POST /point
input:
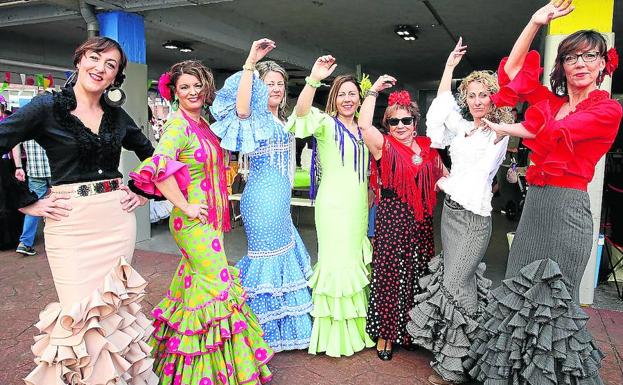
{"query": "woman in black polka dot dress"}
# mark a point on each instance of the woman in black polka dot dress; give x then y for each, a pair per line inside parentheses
(404, 175)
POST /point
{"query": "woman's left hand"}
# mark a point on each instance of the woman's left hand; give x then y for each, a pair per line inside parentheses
(499, 128)
(132, 200)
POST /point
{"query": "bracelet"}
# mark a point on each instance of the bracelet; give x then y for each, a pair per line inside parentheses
(246, 67)
(372, 93)
(312, 83)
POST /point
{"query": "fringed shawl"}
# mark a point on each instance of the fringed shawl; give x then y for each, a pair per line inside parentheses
(413, 183)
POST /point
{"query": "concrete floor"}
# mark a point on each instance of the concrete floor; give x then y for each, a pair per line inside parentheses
(26, 288)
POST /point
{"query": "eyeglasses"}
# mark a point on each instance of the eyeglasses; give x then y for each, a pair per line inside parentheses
(395, 121)
(587, 57)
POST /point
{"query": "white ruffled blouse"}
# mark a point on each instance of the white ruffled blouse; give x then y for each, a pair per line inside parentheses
(475, 156)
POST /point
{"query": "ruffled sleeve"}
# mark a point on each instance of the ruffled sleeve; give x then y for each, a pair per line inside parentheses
(444, 120)
(314, 123)
(526, 85)
(165, 161)
(239, 134)
(596, 120)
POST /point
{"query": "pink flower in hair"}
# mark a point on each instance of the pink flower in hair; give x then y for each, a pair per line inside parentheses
(402, 98)
(164, 86)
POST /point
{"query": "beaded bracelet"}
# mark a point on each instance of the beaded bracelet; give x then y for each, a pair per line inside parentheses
(372, 93)
(312, 83)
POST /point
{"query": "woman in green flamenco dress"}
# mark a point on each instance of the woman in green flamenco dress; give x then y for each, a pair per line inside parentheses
(205, 333)
(340, 279)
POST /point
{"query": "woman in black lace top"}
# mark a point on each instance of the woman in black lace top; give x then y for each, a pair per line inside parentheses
(95, 333)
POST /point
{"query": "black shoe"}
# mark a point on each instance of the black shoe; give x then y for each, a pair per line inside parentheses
(26, 250)
(385, 355)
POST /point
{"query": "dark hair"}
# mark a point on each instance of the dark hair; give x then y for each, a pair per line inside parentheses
(331, 107)
(198, 70)
(100, 44)
(570, 45)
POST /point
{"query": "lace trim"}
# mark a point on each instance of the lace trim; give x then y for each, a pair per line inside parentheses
(276, 291)
(282, 345)
(286, 311)
(271, 253)
(281, 149)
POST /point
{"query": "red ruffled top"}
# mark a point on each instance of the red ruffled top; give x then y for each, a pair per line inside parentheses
(565, 151)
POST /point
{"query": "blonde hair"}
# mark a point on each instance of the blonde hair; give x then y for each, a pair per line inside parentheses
(270, 66)
(490, 81)
(331, 107)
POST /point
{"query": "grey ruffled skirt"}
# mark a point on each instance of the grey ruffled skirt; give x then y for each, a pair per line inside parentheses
(444, 319)
(533, 330)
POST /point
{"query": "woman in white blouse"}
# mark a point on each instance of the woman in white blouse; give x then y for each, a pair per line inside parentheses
(444, 317)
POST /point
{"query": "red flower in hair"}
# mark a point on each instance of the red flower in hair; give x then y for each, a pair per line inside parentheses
(402, 98)
(612, 62)
(163, 86)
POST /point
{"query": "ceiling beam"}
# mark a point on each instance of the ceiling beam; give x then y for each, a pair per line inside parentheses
(148, 5)
(37, 13)
(214, 28)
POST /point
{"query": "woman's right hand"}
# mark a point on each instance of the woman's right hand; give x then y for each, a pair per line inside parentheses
(196, 211)
(323, 67)
(53, 207)
(383, 82)
(552, 10)
(259, 49)
(457, 54)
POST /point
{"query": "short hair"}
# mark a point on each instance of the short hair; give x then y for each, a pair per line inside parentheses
(198, 70)
(100, 44)
(412, 109)
(586, 38)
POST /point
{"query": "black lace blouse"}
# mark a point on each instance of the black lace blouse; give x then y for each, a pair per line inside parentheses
(75, 153)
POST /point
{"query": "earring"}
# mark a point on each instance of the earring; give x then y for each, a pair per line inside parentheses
(175, 104)
(114, 96)
(71, 80)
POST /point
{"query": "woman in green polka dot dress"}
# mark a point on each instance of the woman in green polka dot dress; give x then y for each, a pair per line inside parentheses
(205, 333)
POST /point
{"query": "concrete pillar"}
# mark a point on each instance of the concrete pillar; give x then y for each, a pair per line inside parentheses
(597, 15)
(129, 30)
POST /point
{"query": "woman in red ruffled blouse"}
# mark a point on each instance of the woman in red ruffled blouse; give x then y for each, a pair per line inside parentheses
(533, 331)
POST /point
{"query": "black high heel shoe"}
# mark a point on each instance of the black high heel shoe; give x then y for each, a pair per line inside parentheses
(385, 355)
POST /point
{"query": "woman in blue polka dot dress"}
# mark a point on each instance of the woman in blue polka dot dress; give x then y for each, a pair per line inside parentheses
(250, 115)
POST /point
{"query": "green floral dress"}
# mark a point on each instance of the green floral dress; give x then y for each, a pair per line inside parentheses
(205, 333)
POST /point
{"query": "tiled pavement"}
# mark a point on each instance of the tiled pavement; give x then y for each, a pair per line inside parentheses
(26, 287)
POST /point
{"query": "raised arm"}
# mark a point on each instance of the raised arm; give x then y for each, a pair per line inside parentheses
(453, 60)
(323, 67)
(371, 135)
(259, 49)
(553, 10)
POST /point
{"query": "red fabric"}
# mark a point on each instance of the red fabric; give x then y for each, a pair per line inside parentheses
(414, 184)
(209, 142)
(565, 151)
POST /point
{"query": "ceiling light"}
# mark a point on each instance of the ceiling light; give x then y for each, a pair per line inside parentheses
(170, 45)
(186, 49)
(406, 32)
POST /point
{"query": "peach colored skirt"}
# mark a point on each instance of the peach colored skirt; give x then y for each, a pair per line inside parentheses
(96, 333)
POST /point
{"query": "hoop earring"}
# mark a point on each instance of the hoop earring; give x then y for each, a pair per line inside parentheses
(114, 96)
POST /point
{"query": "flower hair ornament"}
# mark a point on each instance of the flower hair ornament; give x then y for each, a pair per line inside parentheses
(401, 98)
(612, 61)
(164, 86)
(364, 84)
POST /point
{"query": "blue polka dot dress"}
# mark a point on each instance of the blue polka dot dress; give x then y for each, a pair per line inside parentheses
(276, 269)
